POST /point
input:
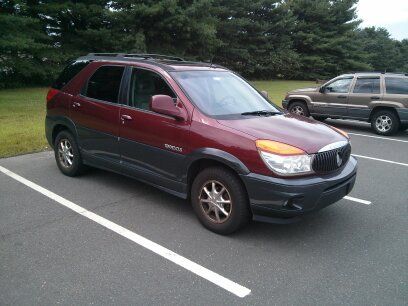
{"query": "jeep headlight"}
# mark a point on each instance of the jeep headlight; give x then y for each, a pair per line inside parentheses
(284, 159)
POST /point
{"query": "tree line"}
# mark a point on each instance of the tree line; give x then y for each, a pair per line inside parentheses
(261, 39)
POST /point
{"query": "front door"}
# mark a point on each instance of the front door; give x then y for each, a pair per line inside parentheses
(333, 100)
(365, 90)
(152, 146)
(95, 113)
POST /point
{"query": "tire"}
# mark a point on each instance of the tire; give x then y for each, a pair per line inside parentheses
(235, 194)
(320, 118)
(385, 122)
(67, 154)
(299, 108)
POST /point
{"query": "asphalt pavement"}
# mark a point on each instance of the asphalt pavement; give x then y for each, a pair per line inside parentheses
(348, 253)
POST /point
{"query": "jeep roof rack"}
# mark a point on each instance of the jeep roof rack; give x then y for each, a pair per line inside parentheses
(139, 56)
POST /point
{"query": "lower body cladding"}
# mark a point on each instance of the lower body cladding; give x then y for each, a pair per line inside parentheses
(279, 200)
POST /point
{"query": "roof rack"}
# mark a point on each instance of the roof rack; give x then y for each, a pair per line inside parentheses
(149, 56)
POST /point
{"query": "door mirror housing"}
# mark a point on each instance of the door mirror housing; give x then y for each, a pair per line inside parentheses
(165, 105)
(322, 89)
(265, 93)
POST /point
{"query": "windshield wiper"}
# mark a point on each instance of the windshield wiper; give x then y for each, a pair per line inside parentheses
(261, 113)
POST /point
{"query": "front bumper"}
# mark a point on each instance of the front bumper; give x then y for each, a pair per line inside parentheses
(273, 198)
(285, 104)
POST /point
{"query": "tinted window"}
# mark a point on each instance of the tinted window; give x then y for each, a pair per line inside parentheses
(68, 73)
(143, 85)
(104, 84)
(396, 86)
(340, 86)
(367, 85)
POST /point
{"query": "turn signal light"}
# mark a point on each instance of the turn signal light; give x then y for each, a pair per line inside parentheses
(276, 147)
(341, 132)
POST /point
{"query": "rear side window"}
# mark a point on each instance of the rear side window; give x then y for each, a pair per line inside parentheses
(367, 85)
(143, 85)
(397, 86)
(68, 73)
(104, 84)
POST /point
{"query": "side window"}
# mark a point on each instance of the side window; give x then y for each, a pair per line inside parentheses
(69, 73)
(104, 84)
(367, 85)
(143, 85)
(397, 86)
(339, 86)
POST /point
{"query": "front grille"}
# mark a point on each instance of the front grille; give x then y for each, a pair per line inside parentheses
(328, 161)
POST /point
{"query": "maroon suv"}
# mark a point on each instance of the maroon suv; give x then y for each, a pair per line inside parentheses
(197, 131)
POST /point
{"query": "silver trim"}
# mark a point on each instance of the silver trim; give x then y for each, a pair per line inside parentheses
(334, 145)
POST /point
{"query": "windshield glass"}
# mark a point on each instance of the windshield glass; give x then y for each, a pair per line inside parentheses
(221, 93)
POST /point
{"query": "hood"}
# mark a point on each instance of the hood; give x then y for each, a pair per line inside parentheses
(304, 90)
(303, 133)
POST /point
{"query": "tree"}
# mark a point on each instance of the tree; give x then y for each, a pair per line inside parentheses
(255, 38)
(325, 38)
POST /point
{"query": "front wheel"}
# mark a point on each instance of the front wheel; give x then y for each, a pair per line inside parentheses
(385, 122)
(299, 108)
(219, 200)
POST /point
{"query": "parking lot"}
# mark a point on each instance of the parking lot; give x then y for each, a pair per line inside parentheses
(102, 238)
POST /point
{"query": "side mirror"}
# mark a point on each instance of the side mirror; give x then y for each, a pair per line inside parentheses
(165, 105)
(322, 89)
(265, 93)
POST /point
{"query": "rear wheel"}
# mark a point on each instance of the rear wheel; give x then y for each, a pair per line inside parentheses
(299, 108)
(67, 154)
(385, 122)
(219, 200)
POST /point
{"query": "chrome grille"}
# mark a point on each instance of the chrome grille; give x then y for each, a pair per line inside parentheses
(331, 160)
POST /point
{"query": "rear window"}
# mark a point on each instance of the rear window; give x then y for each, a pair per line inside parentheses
(397, 86)
(69, 73)
(104, 84)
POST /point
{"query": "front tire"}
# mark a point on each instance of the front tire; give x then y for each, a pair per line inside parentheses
(67, 154)
(299, 108)
(219, 200)
(385, 122)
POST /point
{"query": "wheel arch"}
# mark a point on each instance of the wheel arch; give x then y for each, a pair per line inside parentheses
(378, 108)
(59, 124)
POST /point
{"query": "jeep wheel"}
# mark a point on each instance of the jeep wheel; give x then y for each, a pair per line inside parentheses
(385, 122)
(299, 108)
(220, 200)
(67, 154)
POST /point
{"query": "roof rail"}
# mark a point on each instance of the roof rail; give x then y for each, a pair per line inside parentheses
(140, 56)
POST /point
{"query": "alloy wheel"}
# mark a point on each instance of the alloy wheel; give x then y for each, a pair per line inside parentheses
(65, 153)
(298, 110)
(215, 201)
(383, 123)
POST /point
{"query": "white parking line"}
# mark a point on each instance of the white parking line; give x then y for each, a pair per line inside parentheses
(378, 137)
(187, 264)
(357, 200)
(382, 160)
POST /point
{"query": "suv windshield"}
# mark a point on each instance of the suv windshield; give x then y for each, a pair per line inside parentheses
(222, 93)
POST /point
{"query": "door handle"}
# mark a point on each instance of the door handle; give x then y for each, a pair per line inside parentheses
(342, 97)
(76, 104)
(125, 117)
(375, 98)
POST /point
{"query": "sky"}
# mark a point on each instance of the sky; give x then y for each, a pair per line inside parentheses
(389, 14)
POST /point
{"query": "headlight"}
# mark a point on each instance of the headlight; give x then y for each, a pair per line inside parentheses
(284, 159)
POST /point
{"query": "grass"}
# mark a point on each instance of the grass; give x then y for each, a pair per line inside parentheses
(22, 113)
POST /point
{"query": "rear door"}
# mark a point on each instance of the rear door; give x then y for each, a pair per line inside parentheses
(333, 101)
(95, 112)
(152, 146)
(365, 90)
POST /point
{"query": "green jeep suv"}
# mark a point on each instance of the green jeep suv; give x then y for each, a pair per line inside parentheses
(379, 98)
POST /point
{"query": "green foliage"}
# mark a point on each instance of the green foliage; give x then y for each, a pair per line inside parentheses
(261, 39)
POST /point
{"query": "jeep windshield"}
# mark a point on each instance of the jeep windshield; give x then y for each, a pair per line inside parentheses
(222, 93)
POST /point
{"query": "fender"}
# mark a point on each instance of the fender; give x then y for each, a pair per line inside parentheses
(52, 121)
(216, 155)
(391, 104)
(305, 98)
